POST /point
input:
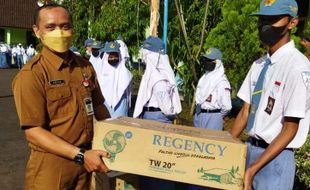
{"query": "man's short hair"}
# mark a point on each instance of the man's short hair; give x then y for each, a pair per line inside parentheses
(49, 6)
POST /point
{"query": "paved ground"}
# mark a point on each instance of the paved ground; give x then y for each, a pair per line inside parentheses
(14, 150)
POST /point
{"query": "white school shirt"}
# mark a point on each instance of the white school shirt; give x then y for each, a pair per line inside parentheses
(3, 48)
(157, 84)
(286, 93)
(219, 98)
(161, 97)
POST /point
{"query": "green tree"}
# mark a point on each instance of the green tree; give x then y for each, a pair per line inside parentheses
(187, 32)
(237, 37)
(302, 156)
(122, 17)
(83, 14)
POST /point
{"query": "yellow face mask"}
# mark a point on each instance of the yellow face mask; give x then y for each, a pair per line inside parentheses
(58, 40)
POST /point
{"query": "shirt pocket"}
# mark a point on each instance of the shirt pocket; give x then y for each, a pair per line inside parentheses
(60, 101)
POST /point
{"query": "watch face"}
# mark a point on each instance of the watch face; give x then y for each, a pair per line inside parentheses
(79, 159)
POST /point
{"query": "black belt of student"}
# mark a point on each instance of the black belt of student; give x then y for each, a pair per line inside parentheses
(261, 143)
(151, 109)
(86, 146)
(210, 111)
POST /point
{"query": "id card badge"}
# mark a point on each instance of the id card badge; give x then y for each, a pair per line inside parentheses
(89, 106)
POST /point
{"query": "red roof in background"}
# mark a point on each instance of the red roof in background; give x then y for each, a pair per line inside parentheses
(17, 13)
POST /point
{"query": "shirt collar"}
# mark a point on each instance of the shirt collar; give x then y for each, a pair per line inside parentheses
(276, 56)
(55, 60)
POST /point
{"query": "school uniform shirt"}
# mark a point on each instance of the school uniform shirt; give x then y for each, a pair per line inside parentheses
(161, 97)
(49, 93)
(158, 85)
(213, 90)
(115, 84)
(3, 48)
(286, 93)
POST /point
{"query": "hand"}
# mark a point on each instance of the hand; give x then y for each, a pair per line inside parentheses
(93, 161)
(248, 179)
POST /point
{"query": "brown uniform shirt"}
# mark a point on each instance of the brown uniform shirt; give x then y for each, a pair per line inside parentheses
(49, 93)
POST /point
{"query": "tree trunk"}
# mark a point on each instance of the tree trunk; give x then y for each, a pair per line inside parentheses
(154, 17)
(203, 29)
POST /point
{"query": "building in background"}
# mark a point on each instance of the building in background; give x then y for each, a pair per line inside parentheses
(16, 20)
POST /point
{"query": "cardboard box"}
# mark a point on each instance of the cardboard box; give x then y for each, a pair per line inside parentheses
(114, 181)
(179, 153)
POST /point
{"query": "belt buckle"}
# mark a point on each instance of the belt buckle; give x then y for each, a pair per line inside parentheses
(256, 142)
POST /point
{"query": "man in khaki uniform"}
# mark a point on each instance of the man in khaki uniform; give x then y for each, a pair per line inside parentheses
(56, 95)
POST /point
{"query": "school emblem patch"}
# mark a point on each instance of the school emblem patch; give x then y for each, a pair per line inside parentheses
(270, 105)
(269, 2)
(294, 9)
(209, 51)
(112, 46)
(306, 78)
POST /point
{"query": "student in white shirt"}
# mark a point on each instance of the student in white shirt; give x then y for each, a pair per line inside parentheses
(115, 80)
(276, 95)
(212, 98)
(158, 97)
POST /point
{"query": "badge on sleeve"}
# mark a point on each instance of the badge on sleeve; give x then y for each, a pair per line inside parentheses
(88, 102)
(306, 78)
(270, 105)
(209, 99)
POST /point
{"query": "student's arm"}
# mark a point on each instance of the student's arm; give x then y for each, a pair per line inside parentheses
(287, 134)
(241, 121)
(225, 99)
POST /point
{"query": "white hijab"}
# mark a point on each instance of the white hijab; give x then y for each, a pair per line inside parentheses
(209, 81)
(157, 68)
(96, 62)
(113, 81)
(124, 50)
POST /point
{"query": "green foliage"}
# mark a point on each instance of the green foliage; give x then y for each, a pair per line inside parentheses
(105, 20)
(306, 31)
(126, 18)
(193, 12)
(302, 158)
(237, 37)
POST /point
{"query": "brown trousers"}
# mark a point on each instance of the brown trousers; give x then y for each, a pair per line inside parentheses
(47, 171)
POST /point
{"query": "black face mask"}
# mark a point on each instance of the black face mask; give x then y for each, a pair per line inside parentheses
(113, 62)
(209, 66)
(270, 35)
(95, 53)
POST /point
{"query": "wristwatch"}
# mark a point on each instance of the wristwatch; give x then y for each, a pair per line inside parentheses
(79, 158)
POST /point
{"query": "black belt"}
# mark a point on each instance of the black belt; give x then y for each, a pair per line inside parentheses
(151, 109)
(210, 111)
(86, 146)
(261, 143)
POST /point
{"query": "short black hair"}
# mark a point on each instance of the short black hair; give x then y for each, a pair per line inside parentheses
(49, 6)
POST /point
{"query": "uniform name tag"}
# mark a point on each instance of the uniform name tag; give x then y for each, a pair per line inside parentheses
(56, 82)
(88, 102)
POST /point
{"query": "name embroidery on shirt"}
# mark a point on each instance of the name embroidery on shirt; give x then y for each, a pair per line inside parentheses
(57, 82)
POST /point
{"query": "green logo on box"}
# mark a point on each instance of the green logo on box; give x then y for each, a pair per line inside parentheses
(223, 176)
(114, 142)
